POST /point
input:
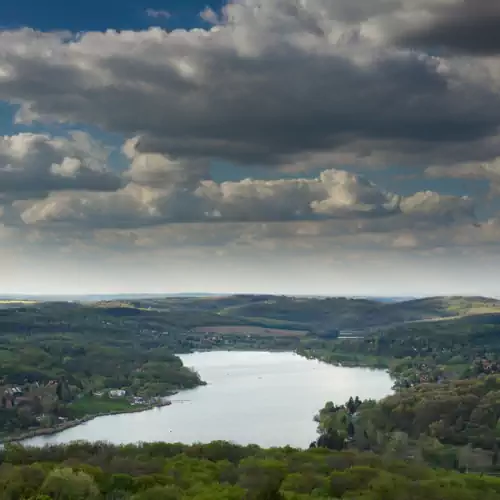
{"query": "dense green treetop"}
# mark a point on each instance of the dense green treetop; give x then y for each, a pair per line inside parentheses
(221, 470)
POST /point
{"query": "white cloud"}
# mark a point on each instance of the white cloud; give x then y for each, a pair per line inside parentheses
(435, 205)
(156, 170)
(334, 194)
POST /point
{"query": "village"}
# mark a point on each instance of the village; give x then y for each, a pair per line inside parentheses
(45, 405)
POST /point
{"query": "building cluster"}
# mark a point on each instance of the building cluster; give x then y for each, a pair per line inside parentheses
(486, 366)
(31, 394)
(122, 393)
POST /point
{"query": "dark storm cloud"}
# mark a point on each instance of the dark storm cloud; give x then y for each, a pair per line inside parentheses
(468, 27)
(266, 88)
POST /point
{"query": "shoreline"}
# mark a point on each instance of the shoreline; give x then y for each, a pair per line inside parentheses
(63, 426)
(56, 429)
(373, 363)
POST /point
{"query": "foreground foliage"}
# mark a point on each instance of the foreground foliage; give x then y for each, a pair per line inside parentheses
(454, 424)
(221, 470)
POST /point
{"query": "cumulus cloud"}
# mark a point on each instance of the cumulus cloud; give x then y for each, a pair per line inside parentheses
(33, 165)
(271, 82)
(157, 170)
(335, 194)
(435, 205)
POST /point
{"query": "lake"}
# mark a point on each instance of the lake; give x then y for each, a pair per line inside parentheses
(264, 398)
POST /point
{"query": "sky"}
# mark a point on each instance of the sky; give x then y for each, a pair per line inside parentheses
(334, 147)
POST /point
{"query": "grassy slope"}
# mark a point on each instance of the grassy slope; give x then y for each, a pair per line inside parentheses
(93, 406)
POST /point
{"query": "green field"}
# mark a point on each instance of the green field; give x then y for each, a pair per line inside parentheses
(90, 405)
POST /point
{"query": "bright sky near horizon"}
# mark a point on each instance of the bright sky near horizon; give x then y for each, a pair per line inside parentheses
(280, 146)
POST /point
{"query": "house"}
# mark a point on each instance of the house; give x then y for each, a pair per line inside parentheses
(13, 391)
(117, 393)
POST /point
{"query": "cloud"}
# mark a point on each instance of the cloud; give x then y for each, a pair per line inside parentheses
(157, 170)
(437, 206)
(32, 165)
(469, 27)
(267, 85)
(209, 15)
(296, 85)
(158, 14)
(334, 194)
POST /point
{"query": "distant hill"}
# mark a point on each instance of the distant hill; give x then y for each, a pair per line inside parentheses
(389, 299)
(283, 312)
(345, 313)
(97, 297)
(313, 314)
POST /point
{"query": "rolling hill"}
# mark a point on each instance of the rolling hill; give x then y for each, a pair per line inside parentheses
(280, 312)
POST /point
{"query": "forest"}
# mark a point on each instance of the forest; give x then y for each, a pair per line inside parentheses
(224, 471)
(453, 425)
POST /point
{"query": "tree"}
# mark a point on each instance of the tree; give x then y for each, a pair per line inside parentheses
(350, 429)
(19, 482)
(216, 491)
(332, 440)
(262, 478)
(398, 444)
(494, 457)
(465, 456)
(159, 493)
(304, 483)
(66, 484)
(351, 406)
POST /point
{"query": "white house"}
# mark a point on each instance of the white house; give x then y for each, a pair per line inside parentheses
(117, 393)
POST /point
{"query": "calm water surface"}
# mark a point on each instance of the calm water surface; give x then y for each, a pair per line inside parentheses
(251, 397)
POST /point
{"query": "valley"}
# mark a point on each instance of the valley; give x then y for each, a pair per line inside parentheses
(406, 384)
(67, 361)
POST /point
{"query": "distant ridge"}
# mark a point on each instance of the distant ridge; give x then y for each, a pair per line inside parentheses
(387, 299)
(136, 296)
(104, 296)
(300, 313)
